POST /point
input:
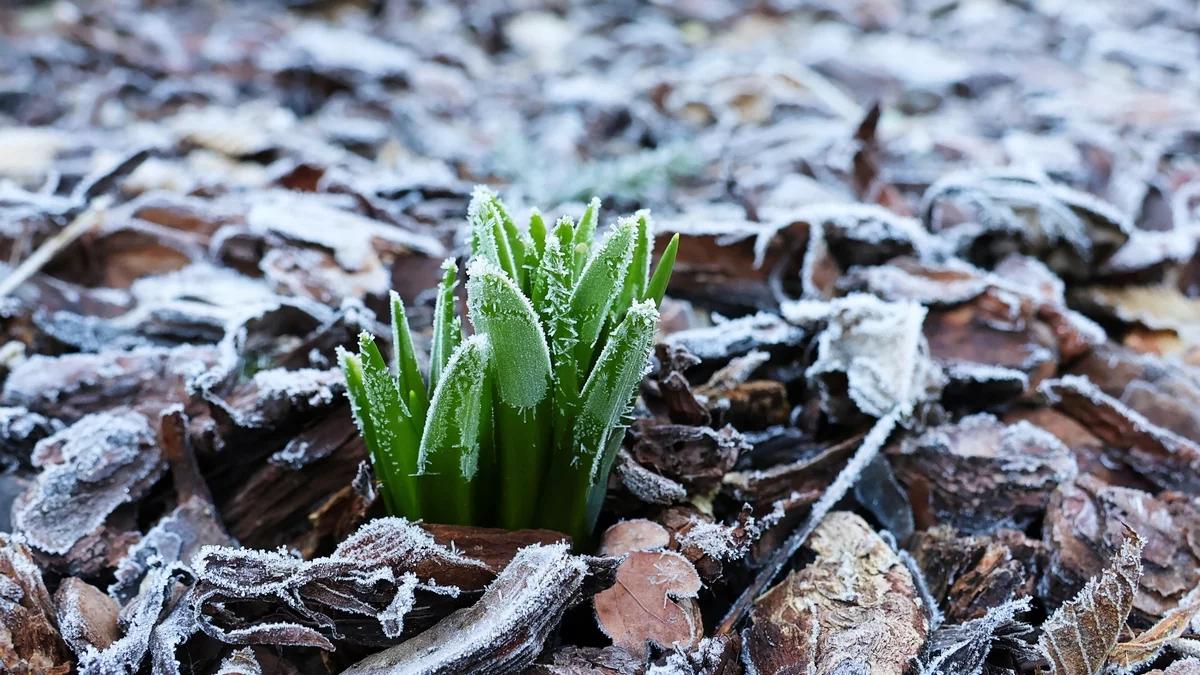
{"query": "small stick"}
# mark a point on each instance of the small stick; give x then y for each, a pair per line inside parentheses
(49, 248)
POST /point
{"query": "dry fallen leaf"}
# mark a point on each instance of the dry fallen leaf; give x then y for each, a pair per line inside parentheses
(1078, 638)
(653, 601)
(1142, 649)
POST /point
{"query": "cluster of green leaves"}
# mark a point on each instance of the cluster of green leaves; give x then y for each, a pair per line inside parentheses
(519, 424)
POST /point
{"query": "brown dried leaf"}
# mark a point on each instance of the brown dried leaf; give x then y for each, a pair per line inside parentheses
(653, 602)
(1142, 649)
(241, 593)
(1078, 638)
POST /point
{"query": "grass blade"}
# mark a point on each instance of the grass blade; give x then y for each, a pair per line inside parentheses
(455, 435)
(522, 375)
(604, 401)
(598, 285)
(408, 375)
(447, 328)
(657, 287)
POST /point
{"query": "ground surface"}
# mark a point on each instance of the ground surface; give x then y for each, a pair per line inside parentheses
(930, 360)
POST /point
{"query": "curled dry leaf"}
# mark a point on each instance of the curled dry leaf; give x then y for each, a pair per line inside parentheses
(1078, 638)
(151, 627)
(501, 633)
(871, 355)
(992, 212)
(175, 538)
(652, 602)
(853, 609)
(385, 581)
(962, 649)
(1148, 644)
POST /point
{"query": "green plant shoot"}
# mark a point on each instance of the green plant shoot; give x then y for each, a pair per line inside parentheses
(518, 425)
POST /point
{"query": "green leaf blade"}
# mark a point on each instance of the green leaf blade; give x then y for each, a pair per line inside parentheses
(498, 308)
(598, 285)
(447, 328)
(606, 398)
(396, 435)
(404, 354)
(456, 434)
(657, 288)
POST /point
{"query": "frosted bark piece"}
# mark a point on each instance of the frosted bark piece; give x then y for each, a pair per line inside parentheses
(853, 609)
(89, 469)
(504, 631)
(1086, 521)
(979, 474)
(29, 641)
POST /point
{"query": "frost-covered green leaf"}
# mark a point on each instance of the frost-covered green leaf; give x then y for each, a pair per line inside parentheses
(447, 329)
(598, 285)
(386, 423)
(408, 376)
(516, 426)
(455, 434)
(634, 285)
(609, 390)
(605, 399)
(584, 233)
(657, 288)
(499, 309)
(490, 233)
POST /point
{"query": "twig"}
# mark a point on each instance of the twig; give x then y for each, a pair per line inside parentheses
(871, 444)
(49, 248)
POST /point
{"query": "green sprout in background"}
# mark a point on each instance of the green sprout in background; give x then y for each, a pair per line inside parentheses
(519, 424)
